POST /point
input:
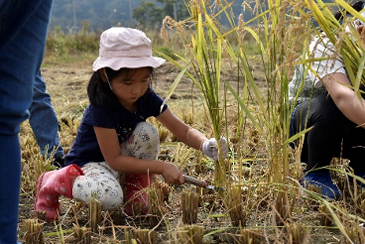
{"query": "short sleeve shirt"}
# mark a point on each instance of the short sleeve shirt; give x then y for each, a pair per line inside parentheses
(326, 61)
(86, 148)
(322, 48)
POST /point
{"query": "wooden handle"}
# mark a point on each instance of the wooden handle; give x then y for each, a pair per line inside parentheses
(194, 181)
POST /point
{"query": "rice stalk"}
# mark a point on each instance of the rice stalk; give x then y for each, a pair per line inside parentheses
(274, 110)
(206, 52)
(209, 42)
(207, 56)
(155, 198)
(275, 113)
(236, 210)
(190, 234)
(94, 214)
(356, 234)
(127, 237)
(281, 207)
(189, 206)
(33, 231)
(250, 236)
(353, 228)
(298, 233)
(145, 236)
(82, 235)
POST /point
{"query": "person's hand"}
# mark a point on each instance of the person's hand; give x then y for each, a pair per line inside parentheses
(172, 174)
(210, 148)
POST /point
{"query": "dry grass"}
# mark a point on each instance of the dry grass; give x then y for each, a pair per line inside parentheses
(258, 202)
(264, 203)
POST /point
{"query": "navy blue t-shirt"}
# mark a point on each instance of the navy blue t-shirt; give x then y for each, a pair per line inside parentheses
(86, 148)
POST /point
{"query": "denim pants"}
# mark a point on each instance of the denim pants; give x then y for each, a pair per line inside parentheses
(43, 120)
(332, 135)
(23, 30)
(103, 182)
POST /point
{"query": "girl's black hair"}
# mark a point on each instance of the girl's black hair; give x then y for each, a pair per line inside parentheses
(358, 6)
(99, 92)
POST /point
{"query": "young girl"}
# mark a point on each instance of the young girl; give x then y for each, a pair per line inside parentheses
(114, 138)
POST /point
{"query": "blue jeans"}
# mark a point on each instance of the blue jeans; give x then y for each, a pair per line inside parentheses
(23, 30)
(43, 120)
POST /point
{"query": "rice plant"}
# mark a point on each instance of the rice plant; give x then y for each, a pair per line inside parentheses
(263, 174)
(189, 207)
(190, 234)
(205, 56)
(82, 234)
(155, 198)
(33, 231)
(145, 236)
(236, 210)
(247, 236)
(209, 42)
(298, 233)
(95, 213)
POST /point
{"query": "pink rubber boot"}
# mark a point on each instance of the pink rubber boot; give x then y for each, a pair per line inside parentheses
(50, 185)
(136, 195)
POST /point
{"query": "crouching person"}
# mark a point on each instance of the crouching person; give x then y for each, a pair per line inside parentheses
(114, 138)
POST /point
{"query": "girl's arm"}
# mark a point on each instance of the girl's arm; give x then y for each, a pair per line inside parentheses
(345, 98)
(191, 137)
(110, 148)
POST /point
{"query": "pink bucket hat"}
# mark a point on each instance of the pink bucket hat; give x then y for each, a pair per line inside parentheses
(125, 48)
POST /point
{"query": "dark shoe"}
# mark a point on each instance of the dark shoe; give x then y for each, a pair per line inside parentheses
(58, 161)
(323, 182)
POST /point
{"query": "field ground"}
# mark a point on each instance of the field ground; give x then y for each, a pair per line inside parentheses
(67, 85)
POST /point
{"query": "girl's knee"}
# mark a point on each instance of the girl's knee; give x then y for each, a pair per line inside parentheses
(111, 200)
(147, 132)
(143, 143)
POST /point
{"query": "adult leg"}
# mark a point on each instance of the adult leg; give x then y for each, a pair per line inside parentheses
(9, 187)
(354, 147)
(43, 120)
(323, 141)
(23, 29)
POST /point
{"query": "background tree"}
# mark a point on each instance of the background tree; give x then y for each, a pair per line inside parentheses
(148, 15)
(100, 14)
(174, 8)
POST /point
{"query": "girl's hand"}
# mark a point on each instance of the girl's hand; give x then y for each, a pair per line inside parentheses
(210, 148)
(172, 174)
